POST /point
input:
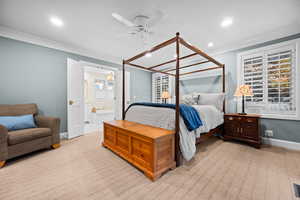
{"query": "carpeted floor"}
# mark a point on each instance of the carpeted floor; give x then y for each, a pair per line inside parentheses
(83, 169)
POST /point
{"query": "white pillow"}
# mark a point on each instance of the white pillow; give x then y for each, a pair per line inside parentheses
(215, 99)
(189, 99)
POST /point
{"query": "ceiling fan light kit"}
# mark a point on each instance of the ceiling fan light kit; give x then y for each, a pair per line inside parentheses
(140, 26)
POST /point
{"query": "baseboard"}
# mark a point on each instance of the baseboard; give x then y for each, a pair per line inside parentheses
(63, 135)
(281, 143)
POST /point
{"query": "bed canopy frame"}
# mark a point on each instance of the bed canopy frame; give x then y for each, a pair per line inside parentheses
(178, 41)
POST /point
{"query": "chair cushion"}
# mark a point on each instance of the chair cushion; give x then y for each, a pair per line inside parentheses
(25, 135)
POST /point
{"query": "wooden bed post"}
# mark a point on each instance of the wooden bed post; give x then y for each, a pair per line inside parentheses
(177, 146)
(123, 91)
(224, 86)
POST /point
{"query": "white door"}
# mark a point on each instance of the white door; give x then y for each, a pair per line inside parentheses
(119, 83)
(75, 99)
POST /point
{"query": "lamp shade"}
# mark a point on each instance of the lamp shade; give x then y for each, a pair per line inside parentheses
(110, 77)
(165, 95)
(243, 90)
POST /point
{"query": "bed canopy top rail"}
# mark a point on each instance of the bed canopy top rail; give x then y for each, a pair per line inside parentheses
(166, 71)
(187, 45)
(201, 70)
(155, 48)
(153, 70)
(177, 40)
(174, 60)
(186, 66)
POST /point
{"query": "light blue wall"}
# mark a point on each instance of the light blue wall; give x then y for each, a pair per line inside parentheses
(283, 129)
(35, 74)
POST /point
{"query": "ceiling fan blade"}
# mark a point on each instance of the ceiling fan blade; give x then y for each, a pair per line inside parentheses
(122, 20)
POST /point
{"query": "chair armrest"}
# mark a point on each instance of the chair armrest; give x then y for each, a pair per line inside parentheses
(52, 123)
(3, 143)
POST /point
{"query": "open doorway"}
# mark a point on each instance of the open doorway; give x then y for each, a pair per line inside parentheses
(94, 96)
(99, 97)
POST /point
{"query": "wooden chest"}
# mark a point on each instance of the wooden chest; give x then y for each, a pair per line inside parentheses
(149, 148)
(243, 127)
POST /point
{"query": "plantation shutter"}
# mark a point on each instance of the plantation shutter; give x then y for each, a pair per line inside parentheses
(160, 83)
(271, 75)
(254, 76)
(281, 81)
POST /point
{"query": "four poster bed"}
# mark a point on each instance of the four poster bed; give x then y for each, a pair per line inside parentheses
(170, 71)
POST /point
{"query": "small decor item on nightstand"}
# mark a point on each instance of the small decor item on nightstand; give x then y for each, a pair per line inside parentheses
(165, 95)
(242, 91)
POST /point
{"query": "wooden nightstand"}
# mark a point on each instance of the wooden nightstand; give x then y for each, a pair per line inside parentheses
(242, 127)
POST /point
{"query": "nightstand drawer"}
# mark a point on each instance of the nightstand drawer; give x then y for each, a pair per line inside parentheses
(250, 120)
(248, 125)
(233, 118)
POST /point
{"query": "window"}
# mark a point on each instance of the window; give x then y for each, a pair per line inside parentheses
(160, 83)
(272, 74)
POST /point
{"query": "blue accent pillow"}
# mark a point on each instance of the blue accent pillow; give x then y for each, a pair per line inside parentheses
(13, 123)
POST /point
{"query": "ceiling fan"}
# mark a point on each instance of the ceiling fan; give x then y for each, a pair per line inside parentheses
(141, 25)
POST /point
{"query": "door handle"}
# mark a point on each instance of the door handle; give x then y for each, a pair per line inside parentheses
(71, 102)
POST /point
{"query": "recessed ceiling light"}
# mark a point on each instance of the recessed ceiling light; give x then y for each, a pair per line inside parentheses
(56, 21)
(210, 44)
(148, 55)
(227, 21)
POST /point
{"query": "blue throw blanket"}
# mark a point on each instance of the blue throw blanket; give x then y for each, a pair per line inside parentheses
(189, 114)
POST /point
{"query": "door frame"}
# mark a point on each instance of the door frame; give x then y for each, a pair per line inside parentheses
(91, 67)
(116, 70)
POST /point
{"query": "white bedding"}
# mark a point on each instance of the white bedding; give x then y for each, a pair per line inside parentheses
(210, 116)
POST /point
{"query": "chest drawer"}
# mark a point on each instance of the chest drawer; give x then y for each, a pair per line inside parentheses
(142, 153)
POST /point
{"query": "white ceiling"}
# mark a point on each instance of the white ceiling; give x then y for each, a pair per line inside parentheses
(89, 25)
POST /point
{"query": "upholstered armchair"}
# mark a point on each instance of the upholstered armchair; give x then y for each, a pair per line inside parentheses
(19, 142)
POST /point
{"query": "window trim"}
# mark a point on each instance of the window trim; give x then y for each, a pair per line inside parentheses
(296, 44)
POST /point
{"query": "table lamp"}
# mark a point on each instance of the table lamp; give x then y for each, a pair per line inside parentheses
(165, 95)
(242, 91)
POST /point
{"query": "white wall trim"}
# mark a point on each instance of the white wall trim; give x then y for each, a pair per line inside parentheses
(281, 143)
(37, 40)
(63, 135)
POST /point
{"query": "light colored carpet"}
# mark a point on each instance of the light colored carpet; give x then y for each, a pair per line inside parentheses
(83, 169)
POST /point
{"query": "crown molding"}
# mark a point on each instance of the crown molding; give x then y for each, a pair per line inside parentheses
(276, 34)
(37, 40)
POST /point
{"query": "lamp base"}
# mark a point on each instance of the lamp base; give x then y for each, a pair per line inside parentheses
(243, 113)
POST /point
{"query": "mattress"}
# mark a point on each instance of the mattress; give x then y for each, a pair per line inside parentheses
(210, 116)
